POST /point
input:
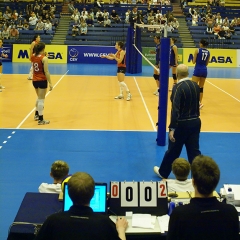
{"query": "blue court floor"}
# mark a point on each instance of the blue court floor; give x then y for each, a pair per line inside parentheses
(26, 156)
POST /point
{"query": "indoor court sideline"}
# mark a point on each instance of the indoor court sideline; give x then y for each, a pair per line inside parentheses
(110, 139)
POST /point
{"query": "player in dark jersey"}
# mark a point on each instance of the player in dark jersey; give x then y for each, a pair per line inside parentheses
(120, 57)
(2, 55)
(41, 78)
(36, 39)
(173, 59)
(157, 62)
(201, 59)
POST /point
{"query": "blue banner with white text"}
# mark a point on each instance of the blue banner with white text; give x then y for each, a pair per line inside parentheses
(7, 49)
(90, 54)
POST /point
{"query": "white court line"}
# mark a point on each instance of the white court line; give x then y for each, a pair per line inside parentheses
(223, 91)
(21, 123)
(145, 105)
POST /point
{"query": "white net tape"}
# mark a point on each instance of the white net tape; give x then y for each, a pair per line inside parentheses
(157, 28)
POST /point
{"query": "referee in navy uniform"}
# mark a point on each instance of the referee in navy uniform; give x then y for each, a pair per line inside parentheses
(185, 125)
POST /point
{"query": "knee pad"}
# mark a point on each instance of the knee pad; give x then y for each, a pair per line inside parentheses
(156, 77)
(201, 89)
(174, 76)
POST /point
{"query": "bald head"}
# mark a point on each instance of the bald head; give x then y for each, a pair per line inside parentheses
(182, 71)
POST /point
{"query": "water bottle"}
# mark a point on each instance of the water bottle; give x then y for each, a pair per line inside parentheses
(230, 197)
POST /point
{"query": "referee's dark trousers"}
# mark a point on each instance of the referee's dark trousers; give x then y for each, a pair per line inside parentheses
(187, 133)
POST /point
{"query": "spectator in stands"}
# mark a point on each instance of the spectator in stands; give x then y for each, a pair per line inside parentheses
(33, 19)
(5, 33)
(225, 20)
(59, 170)
(127, 16)
(9, 9)
(20, 25)
(36, 9)
(219, 20)
(221, 33)
(194, 19)
(105, 13)
(14, 33)
(52, 8)
(2, 20)
(75, 17)
(238, 22)
(205, 217)
(234, 21)
(14, 16)
(158, 14)
(97, 4)
(7, 15)
(83, 28)
(84, 16)
(170, 27)
(175, 23)
(75, 30)
(77, 12)
(191, 11)
(225, 27)
(134, 17)
(216, 29)
(164, 19)
(40, 25)
(107, 22)
(98, 13)
(231, 28)
(150, 18)
(54, 21)
(228, 34)
(25, 25)
(89, 21)
(210, 22)
(71, 7)
(222, 3)
(209, 9)
(48, 25)
(114, 16)
(90, 12)
(100, 20)
(181, 169)
(84, 11)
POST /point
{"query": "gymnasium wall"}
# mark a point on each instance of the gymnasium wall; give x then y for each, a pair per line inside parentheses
(92, 54)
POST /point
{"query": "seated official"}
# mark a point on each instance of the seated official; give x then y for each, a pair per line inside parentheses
(80, 222)
(204, 217)
(59, 170)
(181, 169)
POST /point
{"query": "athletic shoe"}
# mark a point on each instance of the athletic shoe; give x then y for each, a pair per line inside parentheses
(156, 170)
(2, 87)
(29, 78)
(43, 122)
(200, 105)
(119, 97)
(129, 97)
(156, 93)
(36, 118)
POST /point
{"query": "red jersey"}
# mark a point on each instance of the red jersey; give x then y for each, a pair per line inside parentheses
(123, 63)
(38, 69)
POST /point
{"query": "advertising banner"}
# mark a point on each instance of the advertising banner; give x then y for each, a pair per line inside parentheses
(7, 49)
(218, 58)
(89, 54)
(56, 53)
(146, 51)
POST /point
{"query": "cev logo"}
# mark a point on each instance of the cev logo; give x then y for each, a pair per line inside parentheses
(214, 59)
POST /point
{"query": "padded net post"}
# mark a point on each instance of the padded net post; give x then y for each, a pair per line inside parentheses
(133, 58)
(163, 96)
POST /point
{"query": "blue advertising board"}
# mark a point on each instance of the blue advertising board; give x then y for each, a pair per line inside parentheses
(90, 54)
(7, 49)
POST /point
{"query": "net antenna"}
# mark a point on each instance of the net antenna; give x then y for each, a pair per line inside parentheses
(158, 29)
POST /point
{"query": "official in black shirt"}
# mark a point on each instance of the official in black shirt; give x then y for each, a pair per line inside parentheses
(185, 124)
